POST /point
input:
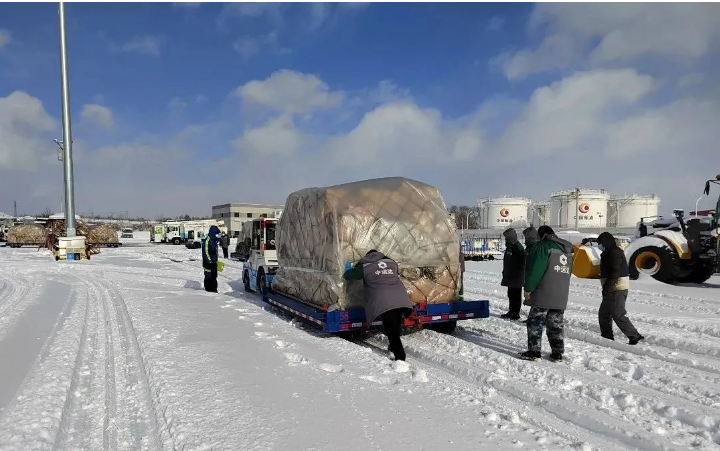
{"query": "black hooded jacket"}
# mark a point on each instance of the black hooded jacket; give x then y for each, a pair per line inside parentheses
(614, 270)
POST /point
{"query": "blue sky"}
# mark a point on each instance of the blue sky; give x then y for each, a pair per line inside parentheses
(177, 107)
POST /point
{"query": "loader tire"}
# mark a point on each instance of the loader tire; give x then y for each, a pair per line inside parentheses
(662, 263)
(700, 274)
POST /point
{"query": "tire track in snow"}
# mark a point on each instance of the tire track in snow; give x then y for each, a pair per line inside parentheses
(604, 427)
(20, 290)
(134, 353)
(71, 400)
(687, 383)
(110, 441)
(699, 373)
(31, 420)
(587, 322)
(562, 423)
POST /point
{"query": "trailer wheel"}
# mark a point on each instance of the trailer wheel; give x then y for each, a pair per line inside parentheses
(261, 283)
(447, 327)
(661, 263)
(353, 335)
(246, 282)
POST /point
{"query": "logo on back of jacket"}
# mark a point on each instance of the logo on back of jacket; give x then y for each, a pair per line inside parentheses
(384, 270)
(563, 266)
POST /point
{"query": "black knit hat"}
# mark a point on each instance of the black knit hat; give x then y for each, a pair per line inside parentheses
(545, 230)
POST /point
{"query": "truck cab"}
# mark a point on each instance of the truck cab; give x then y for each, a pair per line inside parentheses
(126, 233)
(172, 233)
(261, 262)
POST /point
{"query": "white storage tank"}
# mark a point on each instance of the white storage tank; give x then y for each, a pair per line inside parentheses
(626, 210)
(503, 212)
(590, 206)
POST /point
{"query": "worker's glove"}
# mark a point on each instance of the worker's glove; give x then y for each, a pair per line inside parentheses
(527, 298)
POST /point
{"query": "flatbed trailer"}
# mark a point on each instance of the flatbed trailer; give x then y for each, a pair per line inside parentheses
(444, 316)
(19, 245)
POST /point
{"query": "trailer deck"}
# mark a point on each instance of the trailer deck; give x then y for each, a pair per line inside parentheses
(335, 321)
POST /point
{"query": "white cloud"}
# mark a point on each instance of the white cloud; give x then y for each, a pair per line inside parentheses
(614, 32)
(177, 104)
(201, 98)
(290, 92)
(98, 115)
(689, 80)
(5, 38)
(248, 10)
(248, 47)
(497, 23)
(569, 115)
(144, 45)
(278, 137)
(319, 13)
(23, 125)
(399, 137)
(388, 91)
(685, 127)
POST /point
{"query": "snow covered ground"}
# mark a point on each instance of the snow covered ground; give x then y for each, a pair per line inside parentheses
(127, 352)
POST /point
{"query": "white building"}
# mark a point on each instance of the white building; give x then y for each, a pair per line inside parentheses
(504, 212)
(236, 214)
(588, 208)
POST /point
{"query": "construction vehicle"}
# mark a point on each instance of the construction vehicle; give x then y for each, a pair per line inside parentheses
(685, 251)
(126, 233)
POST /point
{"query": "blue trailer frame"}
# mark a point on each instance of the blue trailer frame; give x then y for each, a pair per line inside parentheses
(336, 321)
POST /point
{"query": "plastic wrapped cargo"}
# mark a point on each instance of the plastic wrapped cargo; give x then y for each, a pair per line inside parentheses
(102, 234)
(26, 234)
(324, 231)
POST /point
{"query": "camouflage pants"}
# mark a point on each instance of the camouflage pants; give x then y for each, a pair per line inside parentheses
(538, 318)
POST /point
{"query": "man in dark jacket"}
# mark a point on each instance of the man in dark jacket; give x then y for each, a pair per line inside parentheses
(513, 274)
(385, 296)
(225, 244)
(547, 288)
(210, 259)
(615, 280)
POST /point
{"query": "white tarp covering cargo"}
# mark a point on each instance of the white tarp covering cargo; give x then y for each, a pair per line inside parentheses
(325, 230)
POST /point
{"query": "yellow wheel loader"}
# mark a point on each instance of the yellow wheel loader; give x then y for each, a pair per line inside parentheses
(684, 252)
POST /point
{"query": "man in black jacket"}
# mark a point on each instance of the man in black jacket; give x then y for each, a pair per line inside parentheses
(225, 244)
(615, 280)
(513, 273)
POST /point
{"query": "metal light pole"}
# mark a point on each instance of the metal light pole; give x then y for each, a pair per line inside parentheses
(67, 131)
(577, 207)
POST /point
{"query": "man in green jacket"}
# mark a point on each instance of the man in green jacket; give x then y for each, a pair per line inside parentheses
(547, 288)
